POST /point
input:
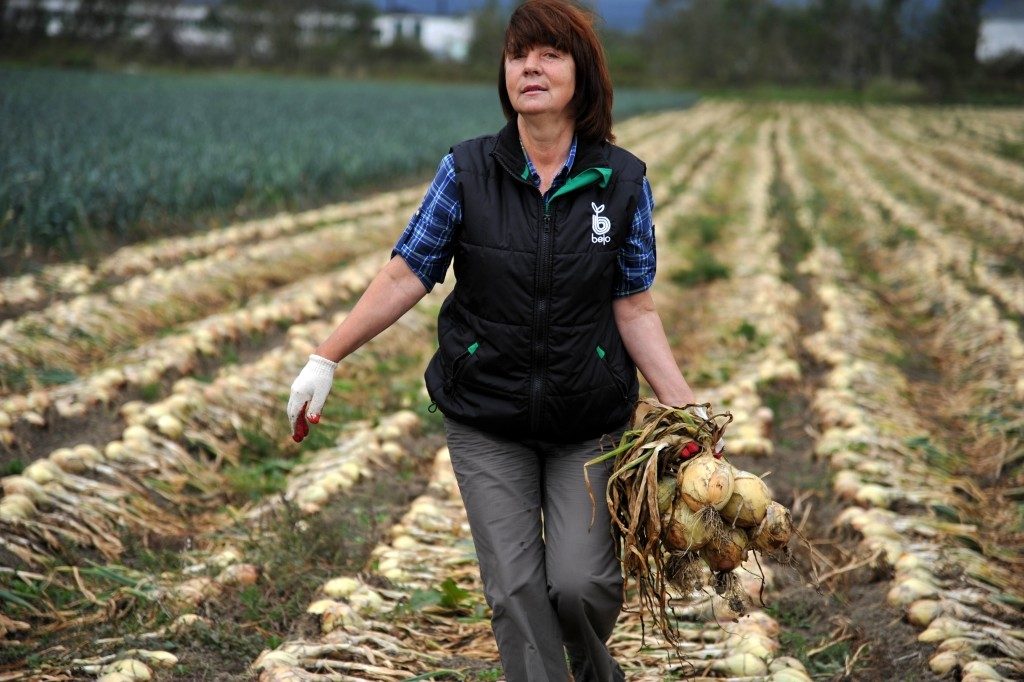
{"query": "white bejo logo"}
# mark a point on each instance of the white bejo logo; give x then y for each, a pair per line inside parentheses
(600, 224)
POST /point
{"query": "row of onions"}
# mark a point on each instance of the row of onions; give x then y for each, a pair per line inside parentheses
(968, 597)
(967, 154)
(180, 354)
(986, 349)
(995, 215)
(965, 184)
(970, 261)
(868, 420)
(65, 279)
(753, 297)
(73, 335)
(685, 147)
(146, 482)
(361, 453)
(986, 129)
(147, 479)
(363, 632)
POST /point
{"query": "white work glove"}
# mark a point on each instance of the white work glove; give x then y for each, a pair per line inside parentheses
(311, 386)
(701, 412)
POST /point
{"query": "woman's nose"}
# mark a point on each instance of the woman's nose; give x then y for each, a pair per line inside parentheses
(532, 61)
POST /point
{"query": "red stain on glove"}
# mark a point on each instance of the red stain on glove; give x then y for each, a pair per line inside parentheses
(301, 427)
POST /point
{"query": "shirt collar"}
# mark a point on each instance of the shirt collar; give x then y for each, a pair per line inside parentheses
(531, 171)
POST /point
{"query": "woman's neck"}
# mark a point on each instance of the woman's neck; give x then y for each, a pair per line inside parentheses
(546, 141)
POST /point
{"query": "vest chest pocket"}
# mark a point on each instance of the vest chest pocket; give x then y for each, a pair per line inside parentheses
(602, 356)
(459, 365)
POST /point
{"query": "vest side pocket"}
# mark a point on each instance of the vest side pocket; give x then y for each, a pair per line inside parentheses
(602, 356)
(459, 365)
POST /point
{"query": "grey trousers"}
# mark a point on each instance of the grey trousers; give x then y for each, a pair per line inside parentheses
(551, 580)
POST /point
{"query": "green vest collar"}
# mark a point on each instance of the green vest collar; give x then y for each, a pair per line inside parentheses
(599, 174)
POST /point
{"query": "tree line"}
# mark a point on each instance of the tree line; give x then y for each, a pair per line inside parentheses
(849, 44)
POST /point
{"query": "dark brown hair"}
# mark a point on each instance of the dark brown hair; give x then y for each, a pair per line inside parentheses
(568, 28)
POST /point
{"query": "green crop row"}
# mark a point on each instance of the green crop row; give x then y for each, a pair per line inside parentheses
(101, 158)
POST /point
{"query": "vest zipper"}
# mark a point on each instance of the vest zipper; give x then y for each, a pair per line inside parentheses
(540, 316)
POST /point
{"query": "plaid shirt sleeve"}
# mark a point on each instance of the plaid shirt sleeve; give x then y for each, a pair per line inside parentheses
(637, 257)
(426, 243)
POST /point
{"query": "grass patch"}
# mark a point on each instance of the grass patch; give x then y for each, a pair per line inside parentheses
(12, 467)
(253, 480)
(707, 227)
(1011, 150)
(20, 379)
(705, 268)
(152, 392)
(795, 243)
(935, 456)
(799, 620)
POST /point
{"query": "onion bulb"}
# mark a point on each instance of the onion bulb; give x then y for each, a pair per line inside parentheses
(684, 531)
(944, 662)
(740, 665)
(340, 587)
(981, 671)
(923, 611)
(749, 501)
(706, 482)
(725, 552)
(908, 591)
(775, 530)
(131, 668)
(16, 507)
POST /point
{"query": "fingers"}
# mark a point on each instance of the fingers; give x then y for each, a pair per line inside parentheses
(295, 403)
(316, 404)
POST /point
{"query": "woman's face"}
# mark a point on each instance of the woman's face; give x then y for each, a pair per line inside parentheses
(540, 80)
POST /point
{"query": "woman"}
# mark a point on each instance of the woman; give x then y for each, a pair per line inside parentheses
(549, 226)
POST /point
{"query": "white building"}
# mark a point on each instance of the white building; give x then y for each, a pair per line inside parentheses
(1001, 32)
(203, 26)
(445, 37)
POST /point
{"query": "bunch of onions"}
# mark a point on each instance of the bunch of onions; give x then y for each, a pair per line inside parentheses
(677, 508)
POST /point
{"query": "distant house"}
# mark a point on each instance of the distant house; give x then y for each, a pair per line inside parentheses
(1002, 31)
(445, 37)
(206, 26)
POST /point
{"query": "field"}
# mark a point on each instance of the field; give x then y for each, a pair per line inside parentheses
(93, 159)
(847, 282)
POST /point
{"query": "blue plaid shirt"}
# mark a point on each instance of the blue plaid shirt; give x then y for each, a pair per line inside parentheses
(426, 244)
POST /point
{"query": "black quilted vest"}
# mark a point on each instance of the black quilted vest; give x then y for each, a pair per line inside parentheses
(528, 346)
